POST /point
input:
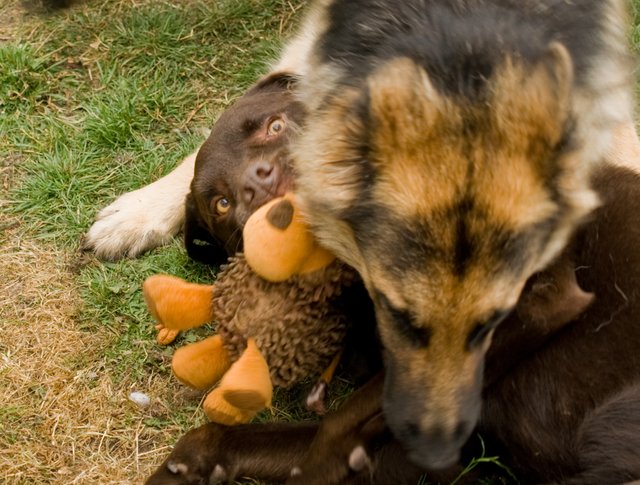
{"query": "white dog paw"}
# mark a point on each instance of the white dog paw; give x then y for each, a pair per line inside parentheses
(134, 223)
(143, 219)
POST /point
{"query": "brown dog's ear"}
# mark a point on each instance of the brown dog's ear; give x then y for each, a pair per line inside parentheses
(199, 243)
(277, 81)
(553, 298)
(550, 300)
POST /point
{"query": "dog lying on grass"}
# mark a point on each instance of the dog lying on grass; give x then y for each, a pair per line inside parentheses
(243, 164)
(561, 387)
(446, 156)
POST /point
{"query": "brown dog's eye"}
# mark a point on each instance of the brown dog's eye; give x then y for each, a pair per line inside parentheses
(222, 206)
(275, 127)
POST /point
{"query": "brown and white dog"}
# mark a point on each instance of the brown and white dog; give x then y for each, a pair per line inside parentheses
(244, 163)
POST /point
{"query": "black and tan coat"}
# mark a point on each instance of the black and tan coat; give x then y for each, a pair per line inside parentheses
(453, 141)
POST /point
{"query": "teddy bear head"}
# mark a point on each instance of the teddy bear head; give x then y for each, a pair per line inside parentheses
(278, 243)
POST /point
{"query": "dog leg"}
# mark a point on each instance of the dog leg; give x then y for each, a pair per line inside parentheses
(215, 453)
(608, 448)
(327, 461)
(143, 219)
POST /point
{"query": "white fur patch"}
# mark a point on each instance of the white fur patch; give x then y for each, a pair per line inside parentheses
(219, 475)
(143, 219)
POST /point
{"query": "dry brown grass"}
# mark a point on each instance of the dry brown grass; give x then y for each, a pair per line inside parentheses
(64, 420)
(72, 345)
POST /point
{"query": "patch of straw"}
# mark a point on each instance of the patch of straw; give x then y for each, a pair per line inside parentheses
(63, 419)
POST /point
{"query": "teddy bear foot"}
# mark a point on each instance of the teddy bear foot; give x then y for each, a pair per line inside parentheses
(165, 335)
(200, 365)
(247, 383)
(219, 410)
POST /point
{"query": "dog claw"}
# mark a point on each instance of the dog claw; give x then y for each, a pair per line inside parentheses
(359, 459)
(219, 475)
(316, 398)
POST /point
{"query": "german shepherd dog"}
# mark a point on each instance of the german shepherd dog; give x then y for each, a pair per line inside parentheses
(447, 155)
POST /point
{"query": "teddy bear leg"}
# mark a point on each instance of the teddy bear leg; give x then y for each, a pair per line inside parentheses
(176, 305)
(200, 365)
(219, 410)
(247, 384)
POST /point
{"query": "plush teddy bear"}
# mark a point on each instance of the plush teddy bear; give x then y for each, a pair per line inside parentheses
(280, 312)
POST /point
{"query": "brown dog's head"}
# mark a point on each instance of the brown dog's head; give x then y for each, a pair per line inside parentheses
(446, 203)
(244, 163)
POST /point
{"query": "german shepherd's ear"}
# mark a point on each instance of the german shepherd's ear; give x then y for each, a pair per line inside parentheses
(552, 298)
(532, 103)
(404, 103)
(199, 243)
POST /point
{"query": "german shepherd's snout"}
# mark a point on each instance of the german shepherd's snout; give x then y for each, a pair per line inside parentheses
(431, 428)
(432, 395)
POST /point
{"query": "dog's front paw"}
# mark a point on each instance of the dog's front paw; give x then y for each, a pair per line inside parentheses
(134, 223)
(198, 457)
(142, 219)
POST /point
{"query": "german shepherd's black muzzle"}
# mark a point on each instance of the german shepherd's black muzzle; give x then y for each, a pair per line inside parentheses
(432, 428)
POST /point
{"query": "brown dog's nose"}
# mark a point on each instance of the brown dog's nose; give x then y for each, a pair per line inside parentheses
(259, 183)
(263, 170)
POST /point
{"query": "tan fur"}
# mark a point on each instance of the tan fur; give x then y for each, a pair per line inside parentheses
(296, 55)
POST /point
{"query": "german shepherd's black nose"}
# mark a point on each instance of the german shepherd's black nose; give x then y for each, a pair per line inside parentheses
(432, 428)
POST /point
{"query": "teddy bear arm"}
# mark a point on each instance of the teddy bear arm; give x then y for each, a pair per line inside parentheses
(177, 304)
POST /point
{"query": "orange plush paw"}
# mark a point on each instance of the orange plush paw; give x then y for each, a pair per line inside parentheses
(177, 304)
(219, 410)
(165, 335)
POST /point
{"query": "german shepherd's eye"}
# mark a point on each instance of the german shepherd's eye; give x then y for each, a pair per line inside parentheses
(481, 330)
(221, 205)
(276, 126)
(403, 321)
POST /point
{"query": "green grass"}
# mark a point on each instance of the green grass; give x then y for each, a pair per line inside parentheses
(95, 101)
(99, 90)
(95, 104)
(104, 98)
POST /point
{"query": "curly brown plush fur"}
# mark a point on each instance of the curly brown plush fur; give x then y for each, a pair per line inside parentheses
(298, 325)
